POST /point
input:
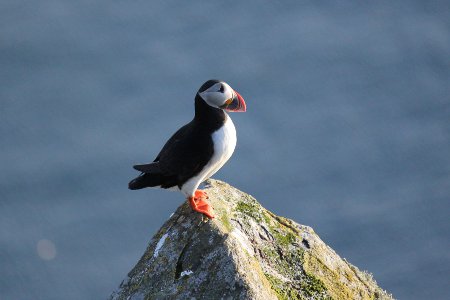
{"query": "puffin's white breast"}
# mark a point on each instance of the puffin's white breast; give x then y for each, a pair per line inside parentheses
(224, 140)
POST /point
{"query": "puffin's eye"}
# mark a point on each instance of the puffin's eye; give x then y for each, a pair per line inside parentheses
(221, 89)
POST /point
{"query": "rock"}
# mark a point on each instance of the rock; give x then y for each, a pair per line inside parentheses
(246, 252)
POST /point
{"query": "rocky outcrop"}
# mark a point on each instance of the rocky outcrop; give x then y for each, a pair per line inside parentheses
(246, 252)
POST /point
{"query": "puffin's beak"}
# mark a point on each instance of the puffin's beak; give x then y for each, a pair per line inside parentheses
(235, 104)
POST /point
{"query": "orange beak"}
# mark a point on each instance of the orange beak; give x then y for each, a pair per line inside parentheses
(235, 104)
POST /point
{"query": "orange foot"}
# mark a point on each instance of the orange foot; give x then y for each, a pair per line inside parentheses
(200, 205)
(200, 194)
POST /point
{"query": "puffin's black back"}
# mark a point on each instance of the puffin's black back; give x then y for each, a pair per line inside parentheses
(186, 153)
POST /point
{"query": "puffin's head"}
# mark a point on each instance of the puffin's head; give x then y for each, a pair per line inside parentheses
(219, 94)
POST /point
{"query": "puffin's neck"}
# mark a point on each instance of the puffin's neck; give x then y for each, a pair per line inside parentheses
(208, 115)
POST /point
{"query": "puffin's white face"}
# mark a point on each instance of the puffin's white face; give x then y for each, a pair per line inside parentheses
(221, 95)
(217, 94)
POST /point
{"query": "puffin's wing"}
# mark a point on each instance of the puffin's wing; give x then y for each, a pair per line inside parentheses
(183, 156)
(185, 153)
(148, 168)
(174, 141)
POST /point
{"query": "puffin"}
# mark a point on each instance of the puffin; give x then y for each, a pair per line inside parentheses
(198, 149)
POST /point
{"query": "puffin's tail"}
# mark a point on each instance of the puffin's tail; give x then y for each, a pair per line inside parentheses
(145, 180)
(150, 176)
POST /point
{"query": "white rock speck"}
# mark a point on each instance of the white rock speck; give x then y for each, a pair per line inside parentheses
(186, 273)
(160, 244)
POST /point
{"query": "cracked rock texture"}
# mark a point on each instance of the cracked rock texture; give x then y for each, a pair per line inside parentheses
(246, 252)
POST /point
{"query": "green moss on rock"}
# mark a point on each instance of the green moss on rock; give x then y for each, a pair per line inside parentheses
(314, 287)
(226, 222)
(250, 209)
(283, 292)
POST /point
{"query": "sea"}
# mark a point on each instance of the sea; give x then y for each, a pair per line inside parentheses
(347, 130)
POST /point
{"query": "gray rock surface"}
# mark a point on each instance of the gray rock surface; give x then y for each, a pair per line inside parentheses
(246, 252)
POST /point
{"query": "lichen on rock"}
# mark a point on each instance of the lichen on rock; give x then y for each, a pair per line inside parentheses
(246, 252)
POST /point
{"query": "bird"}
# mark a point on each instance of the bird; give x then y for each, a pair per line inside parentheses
(198, 149)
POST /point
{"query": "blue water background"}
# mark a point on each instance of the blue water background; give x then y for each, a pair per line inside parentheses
(347, 130)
